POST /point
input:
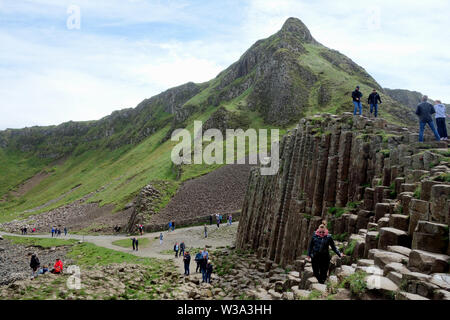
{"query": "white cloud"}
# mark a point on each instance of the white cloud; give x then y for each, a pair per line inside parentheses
(49, 74)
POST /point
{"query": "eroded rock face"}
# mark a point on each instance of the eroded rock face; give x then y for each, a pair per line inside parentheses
(339, 168)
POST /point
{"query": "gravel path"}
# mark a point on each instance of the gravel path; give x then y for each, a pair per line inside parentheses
(193, 237)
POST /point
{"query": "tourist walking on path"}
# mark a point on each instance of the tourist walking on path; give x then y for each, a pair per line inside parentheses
(160, 238)
(230, 219)
(319, 254)
(206, 230)
(173, 225)
(441, 114)
(198, 259)
(53, 231)
(424, 110)
(356, 96)
(209, 270)
(136, 243)
(203, 266)
(176, 248)
(133, 241)
(210, 219)
(65, 231)
(182, 247)
(170, 225)
(373, 100)
(34, 265)
(187, 261)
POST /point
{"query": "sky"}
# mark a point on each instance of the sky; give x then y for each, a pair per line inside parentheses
(82, 59)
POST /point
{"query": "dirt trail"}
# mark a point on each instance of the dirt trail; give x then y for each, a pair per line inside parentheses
(193, 237)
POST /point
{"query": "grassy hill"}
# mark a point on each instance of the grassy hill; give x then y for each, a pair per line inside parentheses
(275, 83)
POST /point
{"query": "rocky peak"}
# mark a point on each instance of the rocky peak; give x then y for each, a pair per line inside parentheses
(299, 29)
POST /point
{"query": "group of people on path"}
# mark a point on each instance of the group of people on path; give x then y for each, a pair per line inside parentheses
(424, 111)
(179, 249)
(57, 232)
(35, 264)
(204, 264)
(219, 219)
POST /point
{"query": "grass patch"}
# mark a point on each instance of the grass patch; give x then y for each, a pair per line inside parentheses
(127, 243)
(355, 283)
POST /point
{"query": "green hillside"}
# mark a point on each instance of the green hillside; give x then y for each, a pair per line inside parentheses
(275, 83)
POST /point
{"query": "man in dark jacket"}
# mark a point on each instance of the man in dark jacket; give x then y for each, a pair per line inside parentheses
(424, 110)
(133, 242)
(373, 100)
(198, 259)
(187, 261)
(356, 96)
(319, 253)
(209, 270)
(34, 264)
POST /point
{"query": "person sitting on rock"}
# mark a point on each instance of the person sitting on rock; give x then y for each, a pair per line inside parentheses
(34, 265)
(43, 270)
(57, 267)
(319, 255)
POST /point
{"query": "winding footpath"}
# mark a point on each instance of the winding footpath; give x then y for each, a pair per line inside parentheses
(193, 237)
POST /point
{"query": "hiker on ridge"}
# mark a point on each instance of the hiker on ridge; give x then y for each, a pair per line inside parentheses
(373, 100)
(441, 114)
(319, 254)
(356, 95)
(424, 110)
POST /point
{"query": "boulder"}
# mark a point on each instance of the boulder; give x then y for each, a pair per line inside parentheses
(319, 287)
(371, 242)
(402, 295)
(365, 262)
(395, 267)
(380, 284)
(441, 295)
(391, 236)
(383, 222)
(440, 208)
(399, 249)
(275, 295)
(442, 280)
(299, 294)
(395, 277)
(382, 258)
(428, 262)
(381, 209)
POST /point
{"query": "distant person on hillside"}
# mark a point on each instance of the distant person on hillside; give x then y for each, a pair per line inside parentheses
(173, 225)
(182, 247)
(203, 266)
(133, 243)
(170, 225)
(198, 259)
(424, 110)
(441, 114)
(53, 231)
(65, 231)
(187, 261)
(205, 228)
(57, 267)
(209, 271)
(176, 248)
(230, 219)
(319, 255)
(160, 238)
(137, 244)
(356, 96)
(373, 100)
(210, 219)
(34, 265)
(25, 230)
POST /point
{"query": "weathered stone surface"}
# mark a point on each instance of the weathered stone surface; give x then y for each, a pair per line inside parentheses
(382, 258)
(380, 283)
(428, 262)
(381, 209)
(399, 249)
(396, 267)
(402, 295)
(365, 262)
(419, 210)
(383, 223)
(395, 277)
(391, 236)
(319, 287)
(439, 208)
(399, 221)
(431, 237)
(442, 280)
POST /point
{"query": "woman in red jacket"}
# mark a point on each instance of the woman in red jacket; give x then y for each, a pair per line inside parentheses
(58, 267)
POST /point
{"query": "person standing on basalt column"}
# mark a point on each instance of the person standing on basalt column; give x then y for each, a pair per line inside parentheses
(441, 114)
(356, 96)
(424, 111)
(319, 254)
(373, 100)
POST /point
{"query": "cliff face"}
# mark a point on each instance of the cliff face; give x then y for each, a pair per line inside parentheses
(351, 171)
